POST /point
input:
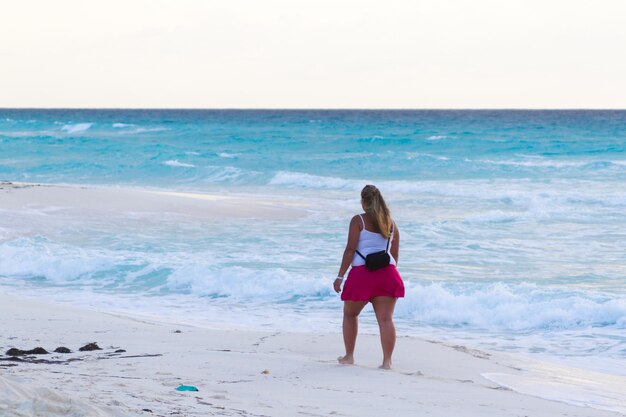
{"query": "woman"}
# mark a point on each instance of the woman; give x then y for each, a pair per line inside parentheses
(370, 232)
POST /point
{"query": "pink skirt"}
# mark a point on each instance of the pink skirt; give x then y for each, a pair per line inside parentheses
(363, 284)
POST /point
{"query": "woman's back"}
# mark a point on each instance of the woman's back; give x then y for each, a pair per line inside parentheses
(370, 241)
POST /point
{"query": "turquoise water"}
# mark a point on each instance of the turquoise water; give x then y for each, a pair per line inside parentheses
(253, 147)
(512, 222)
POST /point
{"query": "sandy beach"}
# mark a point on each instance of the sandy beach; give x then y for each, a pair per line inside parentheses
(27, 196)
(241, 372)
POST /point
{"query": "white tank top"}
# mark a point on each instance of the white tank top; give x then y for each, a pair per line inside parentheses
(370, 242)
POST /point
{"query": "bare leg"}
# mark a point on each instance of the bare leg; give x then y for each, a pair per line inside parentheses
(351, 311)
(383, 307)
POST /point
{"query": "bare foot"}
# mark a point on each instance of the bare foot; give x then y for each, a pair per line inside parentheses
(346, 360)
(385, 365)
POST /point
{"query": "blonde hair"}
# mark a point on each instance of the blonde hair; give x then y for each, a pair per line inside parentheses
(375, 205)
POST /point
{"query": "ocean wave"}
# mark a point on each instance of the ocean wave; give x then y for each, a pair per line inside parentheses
(446, 188)
(439, 188)
(177, 163)
(436, 137)
(498, 306)
(414, 155)
(544, 197)
(297, 179)
(518, 307)
(245, 284)
(210, 173)
(130, 129)
(533, 163)
(31, 133)
(615, 199)
(545, 163)
(568, 385)
(149, 129)
(39, 258)
(227, 155)
(121, 125)
(76, 128)
(372, 138)
(225, 174)
(494, 216)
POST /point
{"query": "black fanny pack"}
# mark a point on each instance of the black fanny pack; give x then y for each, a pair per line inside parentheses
(379, 259)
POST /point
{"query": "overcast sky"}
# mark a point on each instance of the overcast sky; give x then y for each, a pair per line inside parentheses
(313, 54)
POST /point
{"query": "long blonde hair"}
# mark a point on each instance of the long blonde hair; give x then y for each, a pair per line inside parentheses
(375, 206)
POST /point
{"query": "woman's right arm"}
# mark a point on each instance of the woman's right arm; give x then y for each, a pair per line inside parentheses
(348, 253)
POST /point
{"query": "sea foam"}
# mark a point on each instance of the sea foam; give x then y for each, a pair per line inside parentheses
(569, 385)
(518, 307)
(177, 163)
(76, 128)
(496, 306)
(39, 258)
(297, 179)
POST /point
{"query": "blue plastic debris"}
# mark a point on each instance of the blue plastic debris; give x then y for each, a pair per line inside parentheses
(186, 388)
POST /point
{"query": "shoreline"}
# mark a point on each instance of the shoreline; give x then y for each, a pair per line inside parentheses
(250, 373)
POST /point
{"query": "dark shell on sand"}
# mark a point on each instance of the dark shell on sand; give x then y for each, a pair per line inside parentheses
(20, 352)
(15, 352)
(89, 347)
(62, 349)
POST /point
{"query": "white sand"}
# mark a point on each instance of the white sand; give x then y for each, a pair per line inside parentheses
(19, 400)
(301, 374)
(16, 196)
(227, 366)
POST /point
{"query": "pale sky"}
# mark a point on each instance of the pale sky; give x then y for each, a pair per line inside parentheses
(313, 54)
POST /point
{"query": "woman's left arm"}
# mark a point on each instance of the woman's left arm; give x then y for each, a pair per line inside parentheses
(395, 243)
